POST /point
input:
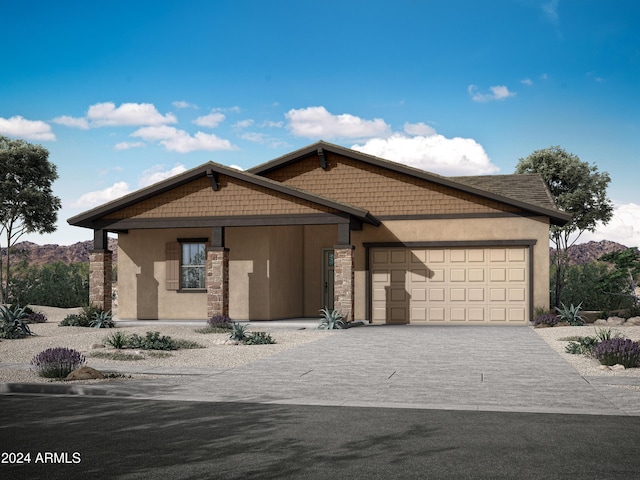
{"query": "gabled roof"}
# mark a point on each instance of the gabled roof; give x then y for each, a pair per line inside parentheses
(527, 192)
(211, 169)
(524, 187)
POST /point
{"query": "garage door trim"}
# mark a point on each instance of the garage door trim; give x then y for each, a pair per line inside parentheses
(450, 244)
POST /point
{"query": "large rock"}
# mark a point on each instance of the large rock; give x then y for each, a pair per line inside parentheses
(633, 321)
(84, 373)
(615, 321)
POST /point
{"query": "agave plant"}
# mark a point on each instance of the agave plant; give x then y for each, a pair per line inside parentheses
(331, 319)
(238, 332)
(102, 319)
(571, 314)
(13, 322)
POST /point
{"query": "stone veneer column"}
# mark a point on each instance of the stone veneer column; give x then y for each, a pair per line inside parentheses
(343, 273)
(100, 277)
(217, 281)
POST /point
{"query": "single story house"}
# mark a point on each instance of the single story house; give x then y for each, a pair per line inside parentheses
(326, 226)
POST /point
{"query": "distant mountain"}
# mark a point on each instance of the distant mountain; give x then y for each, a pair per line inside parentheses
(42, 254)
(590, 251)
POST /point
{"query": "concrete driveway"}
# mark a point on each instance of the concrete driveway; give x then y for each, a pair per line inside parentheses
(450, 367)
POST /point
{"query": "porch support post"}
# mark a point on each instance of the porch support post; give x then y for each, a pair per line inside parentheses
(343, 272)
(100, 272)
(217, 281)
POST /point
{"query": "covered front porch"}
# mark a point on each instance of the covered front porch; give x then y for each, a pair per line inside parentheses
(250, 272)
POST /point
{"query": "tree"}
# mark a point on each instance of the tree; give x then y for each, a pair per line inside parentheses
(577, 188)
(27, 203)
(626, 269)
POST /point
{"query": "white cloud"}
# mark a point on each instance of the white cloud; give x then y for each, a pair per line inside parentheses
(237, 167)
(74, 122)
(183, 104)
(318, 123)
(498, 92)
(157, 173)
(128, 145)
(624, 227)
(419, 129)
(526, 81)
(212, 120)
(255, 137)
(243, 123)
(27, 129)
(180, 141)
(98, 197)
(434, 153)
(127, 114)
(271, 124)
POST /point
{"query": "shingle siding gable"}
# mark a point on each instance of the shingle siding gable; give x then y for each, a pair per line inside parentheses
(381, 191)
(235, 197)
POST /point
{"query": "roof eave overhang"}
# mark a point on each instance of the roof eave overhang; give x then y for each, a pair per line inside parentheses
(89, 218)
(556, 217)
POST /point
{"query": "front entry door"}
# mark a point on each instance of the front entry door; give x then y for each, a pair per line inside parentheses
(327, 278)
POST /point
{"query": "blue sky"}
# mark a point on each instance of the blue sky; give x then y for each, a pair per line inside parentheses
(126, 93)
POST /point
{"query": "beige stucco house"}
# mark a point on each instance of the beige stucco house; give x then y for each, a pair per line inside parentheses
(328, 226)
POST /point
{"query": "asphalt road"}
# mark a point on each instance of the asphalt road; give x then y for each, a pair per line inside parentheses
(97, 437)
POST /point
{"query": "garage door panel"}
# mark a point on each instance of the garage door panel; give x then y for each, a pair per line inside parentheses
(418, 294)
(456, 285)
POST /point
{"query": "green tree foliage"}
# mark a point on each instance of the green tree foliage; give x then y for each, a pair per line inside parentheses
(625, 272)
(577, 188)
(592, 286)
(54, 284)
(27, 203)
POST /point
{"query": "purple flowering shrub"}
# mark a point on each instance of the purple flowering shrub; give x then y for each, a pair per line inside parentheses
(57, 362)
(615, 351)
(36, 317)
(220, 321)
(548, 318)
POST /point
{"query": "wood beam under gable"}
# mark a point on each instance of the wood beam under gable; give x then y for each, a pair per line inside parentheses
(213, 178)
(323, 160)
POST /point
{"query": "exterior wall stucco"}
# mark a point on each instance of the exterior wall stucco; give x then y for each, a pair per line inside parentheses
(276, 272)
(141, 277)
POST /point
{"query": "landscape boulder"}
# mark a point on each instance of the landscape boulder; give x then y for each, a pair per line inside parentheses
(84, 373)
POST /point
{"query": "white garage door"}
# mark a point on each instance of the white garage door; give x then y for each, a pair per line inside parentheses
(450, 285)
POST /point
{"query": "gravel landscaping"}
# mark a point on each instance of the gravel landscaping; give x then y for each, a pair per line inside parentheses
(587, 366)
(15, 355)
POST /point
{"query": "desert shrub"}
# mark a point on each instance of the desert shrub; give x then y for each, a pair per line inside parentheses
(117, 356)
(571, 314)
(591, 284)
(259, 338)
(330, 319)
(581, 346)
(117, 340)
(36, 317)
(82, 319)
(57, 362)
(74, 320)
(220, 321)
(186, 344)
(615, 351)
(152, 341)
(56, 284)
(547, 318)
(13, 322)
(238, 332)
(102, 319)
(586, 345)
